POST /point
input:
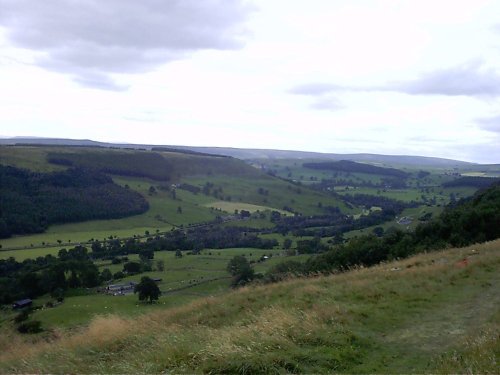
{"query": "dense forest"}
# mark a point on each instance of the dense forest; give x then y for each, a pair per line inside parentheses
(353, 167)
(132, 163)
(30, 202)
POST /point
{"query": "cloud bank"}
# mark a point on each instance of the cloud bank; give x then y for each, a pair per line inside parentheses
(491, 124)
(92, 39)
(471, 79)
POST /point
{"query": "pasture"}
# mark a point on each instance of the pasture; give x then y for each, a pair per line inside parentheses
(232, 207)
(183, 279)
(270, 192)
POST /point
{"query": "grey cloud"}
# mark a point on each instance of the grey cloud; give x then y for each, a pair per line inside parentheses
(92, 38)
(327, 104)
(471, 79)
(427, 139)
(315, 89)
(491, 124)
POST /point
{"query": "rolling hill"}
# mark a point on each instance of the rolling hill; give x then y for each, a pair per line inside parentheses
(252, 154)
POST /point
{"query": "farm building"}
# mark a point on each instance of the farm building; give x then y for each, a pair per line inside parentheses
(22, 303)
(120, 289)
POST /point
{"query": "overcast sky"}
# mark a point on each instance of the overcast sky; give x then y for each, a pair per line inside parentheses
(390, 77)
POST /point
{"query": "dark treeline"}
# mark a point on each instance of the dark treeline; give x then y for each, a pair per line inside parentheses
(384, 203)
(335, 223)
(472, 181)
(385, 182)
(210, 237)
(30, 202)
(35, 277)
(131, 163)
(472, 220)
(353, 167)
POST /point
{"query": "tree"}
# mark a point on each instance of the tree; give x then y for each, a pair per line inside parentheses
(146, 254)
(132, 267)
(178, 253)
(160, 265)
(378, 231)
(287, 243)
(147, 289)
(106, 275)
(240, 269)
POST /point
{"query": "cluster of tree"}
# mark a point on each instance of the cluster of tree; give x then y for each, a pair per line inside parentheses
(422, 174)
(191, 188)
(195, 239)
(330, 225)
(384, 203)
(472, 181)
(35, 277)
(326, 183)
(241, 271)
(313, 246)
(123, 163)
(470, 221)
(31, 201)
(353, 167)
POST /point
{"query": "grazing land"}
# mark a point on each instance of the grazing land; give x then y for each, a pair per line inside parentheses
(428, 313)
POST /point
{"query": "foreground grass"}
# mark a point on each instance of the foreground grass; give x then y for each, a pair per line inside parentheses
(429, 313)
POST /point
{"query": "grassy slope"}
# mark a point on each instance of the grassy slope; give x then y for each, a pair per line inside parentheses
(423, 314)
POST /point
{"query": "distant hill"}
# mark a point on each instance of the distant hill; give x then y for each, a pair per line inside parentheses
(251, 154)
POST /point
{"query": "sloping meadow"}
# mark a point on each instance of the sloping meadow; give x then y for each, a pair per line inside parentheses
(435, 312)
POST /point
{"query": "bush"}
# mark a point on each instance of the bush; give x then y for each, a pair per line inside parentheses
(22, 316)
(35, 326)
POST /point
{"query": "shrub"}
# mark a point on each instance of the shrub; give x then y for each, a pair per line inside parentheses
(34, 326)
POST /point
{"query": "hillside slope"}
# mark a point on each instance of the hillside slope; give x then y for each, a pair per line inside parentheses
(435, 312)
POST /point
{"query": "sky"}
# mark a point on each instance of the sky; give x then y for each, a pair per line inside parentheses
(342, 76)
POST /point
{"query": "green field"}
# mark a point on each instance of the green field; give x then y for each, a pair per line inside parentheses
(183, 279)
(231, 207)
(279, 194)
